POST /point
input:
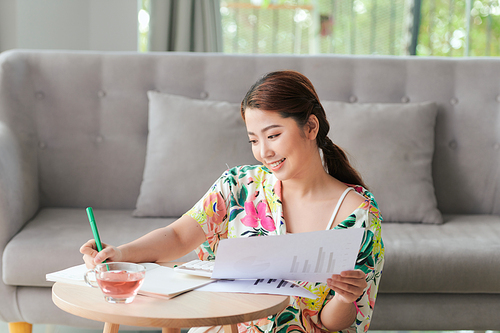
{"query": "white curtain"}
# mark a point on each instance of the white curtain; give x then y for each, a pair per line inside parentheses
(185, 25)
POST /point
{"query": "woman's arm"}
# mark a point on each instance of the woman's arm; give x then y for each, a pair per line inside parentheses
(163, 244)
(340, 312)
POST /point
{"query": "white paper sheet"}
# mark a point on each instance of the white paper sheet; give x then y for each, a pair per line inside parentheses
(73, 275)
(311, 256)
(259, 286)
(164, 281)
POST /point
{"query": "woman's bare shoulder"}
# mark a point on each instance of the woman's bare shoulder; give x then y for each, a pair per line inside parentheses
(352, 201)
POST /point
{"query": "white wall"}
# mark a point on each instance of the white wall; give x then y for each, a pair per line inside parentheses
(102, 25)
(8, 34)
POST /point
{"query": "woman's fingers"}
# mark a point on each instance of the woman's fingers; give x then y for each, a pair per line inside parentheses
(89, 247)
(89, 251)
(108, 252)
(348, 284)
(355, 274)
(92, 257)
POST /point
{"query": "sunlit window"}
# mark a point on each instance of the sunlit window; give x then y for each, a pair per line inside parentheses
(143, 25)
(453, 28)
(459, 28)
(384, 27)
(316, 26)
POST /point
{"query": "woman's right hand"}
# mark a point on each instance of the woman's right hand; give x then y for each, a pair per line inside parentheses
(92, 257)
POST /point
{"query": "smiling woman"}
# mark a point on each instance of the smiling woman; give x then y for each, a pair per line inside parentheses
(291, 192)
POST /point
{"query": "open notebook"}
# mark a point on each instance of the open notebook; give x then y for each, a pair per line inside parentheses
(160, 280)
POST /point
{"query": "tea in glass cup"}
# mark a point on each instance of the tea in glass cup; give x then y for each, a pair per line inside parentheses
(119, 281)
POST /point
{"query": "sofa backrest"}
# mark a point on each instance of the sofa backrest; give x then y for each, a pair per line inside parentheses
(84, 115)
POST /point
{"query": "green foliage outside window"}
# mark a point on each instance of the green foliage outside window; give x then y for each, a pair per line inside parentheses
(315, 26)
(385, 27)
(453, 28)
(443, 29)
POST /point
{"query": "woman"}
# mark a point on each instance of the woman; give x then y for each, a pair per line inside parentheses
(292, 191)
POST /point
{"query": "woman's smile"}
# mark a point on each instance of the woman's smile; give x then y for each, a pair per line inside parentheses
(275, 166)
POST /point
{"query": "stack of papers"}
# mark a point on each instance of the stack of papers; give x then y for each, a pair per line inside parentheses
(164, 282)
(259, 286)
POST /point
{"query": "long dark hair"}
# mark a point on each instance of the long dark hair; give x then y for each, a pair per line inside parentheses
(292, 95)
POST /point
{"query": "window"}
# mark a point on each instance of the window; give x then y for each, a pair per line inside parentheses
(459, 28)
(453, 28)
(316, 26)
(385, 27)
(143, 19)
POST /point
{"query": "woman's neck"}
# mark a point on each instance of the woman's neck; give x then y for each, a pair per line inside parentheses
(312, 184)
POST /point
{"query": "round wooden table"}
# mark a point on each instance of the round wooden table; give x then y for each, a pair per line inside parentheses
(192, 309)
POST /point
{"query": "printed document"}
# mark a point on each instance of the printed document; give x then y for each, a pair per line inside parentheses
(310, 256)
(259, 286)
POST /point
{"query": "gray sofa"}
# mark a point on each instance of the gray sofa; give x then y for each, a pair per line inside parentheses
(74, 133)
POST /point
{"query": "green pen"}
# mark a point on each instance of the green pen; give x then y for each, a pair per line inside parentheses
(93, 226)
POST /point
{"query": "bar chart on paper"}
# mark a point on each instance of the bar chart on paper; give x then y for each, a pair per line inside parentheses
(312, 256)
(325, 263)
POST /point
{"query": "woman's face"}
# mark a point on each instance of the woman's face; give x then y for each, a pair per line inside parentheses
(279, 143)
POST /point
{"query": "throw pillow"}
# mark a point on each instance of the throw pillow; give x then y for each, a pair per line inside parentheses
(190, 143)
(391, 145)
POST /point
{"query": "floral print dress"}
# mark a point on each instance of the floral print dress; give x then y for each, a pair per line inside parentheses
(246, 201)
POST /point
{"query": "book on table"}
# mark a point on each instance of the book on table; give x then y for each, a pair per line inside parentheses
(160, 280)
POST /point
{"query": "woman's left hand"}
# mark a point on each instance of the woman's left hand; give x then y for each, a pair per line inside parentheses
(348, 285)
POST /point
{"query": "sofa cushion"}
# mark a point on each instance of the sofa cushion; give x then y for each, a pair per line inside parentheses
(51, 241)
(392, 146)
(190, 143)
(386, 141)
(459, 256)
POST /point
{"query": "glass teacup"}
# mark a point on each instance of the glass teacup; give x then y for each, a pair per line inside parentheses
(119, 281)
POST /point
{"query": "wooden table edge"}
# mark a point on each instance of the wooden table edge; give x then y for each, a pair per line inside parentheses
(172, 323)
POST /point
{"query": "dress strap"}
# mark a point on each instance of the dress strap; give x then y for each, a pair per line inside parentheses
(341, 199)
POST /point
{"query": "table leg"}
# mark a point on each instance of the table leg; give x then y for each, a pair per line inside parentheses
(20, 327)
(170, 330)
(111, 328)
(231, 328)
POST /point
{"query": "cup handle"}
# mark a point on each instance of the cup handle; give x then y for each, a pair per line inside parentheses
(88, 281)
